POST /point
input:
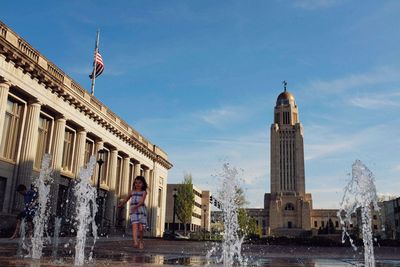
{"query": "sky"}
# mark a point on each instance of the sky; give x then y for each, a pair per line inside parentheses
(200, 79)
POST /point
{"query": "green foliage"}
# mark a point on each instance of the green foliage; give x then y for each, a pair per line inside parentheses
(240, 199)
(185, 200)
(248, 225)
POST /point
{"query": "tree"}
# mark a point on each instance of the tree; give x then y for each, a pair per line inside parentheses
(185, 201)
(248, 225)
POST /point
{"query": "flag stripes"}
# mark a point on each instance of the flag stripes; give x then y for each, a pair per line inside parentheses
(98, 64)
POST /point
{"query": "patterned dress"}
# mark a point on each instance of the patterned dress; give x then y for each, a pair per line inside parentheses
(140, 214)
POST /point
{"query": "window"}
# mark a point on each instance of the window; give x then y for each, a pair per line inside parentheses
(336, 224)
(375, 227)
(11, 130)
(89, 145)
(43, 143)
(159, 203)
(374, 217)
(315, 224)
(289, 206)
(322, 224)
(68, 150)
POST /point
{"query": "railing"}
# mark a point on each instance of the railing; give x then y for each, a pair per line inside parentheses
(3, 31)
(56, 72)
(96, 103)
(111, 115)
(124, 125)
(28, 50)
(78, 89)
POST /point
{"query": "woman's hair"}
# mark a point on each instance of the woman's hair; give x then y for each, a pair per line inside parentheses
(141, 178)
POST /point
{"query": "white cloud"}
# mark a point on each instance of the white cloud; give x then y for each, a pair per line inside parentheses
(316, 4)
(375, 101)
(381, 75)
(223, 115)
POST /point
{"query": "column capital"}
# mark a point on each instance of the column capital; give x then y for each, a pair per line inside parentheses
(60, 118)
(81, 130)
(5, 84)
(34, 102)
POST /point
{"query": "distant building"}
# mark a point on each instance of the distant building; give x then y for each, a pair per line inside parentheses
(288, 203)
(43, 110)
(200, 220)
(391, 218)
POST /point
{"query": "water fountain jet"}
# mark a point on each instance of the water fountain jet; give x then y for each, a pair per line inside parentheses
(360, 194)
(86, 209)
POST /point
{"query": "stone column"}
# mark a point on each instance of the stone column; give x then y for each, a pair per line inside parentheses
(147, 176)
(125, 188)
(4, 88)
(137, 170)
(28, 149)
(125, 177)
(57, 153)
(147, 202)
(80, 151)
(152, 195)
(112, 197)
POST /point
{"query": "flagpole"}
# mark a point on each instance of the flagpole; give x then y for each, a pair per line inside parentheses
(96, 50)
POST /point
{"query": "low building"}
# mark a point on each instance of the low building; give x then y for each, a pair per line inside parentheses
(200, 220)
(390, 211)
(43, 110)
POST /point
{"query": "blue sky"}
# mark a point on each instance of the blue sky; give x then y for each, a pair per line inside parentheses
(200, 80)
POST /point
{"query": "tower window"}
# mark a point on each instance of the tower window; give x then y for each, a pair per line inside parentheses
(289, 206)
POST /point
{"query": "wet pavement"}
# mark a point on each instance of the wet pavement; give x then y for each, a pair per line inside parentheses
(118, 251)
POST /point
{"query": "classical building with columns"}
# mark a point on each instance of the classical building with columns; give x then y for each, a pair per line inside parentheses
(43, 110)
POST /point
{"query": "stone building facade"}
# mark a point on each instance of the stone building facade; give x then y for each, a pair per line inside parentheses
(43, 110)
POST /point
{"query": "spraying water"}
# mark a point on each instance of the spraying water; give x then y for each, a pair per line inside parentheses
(86, 209)
(40, 221)
(57, 226)
(228, 195)
(360, 193)
(22, 241)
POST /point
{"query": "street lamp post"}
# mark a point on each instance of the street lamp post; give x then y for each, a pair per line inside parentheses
(100, 161)
(174, 194)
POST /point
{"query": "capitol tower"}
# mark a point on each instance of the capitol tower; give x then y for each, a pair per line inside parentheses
(288, 204)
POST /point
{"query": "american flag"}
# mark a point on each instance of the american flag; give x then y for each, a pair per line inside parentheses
(98, 62)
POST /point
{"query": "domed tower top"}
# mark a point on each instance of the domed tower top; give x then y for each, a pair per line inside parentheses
(286, 112)
(285, 98)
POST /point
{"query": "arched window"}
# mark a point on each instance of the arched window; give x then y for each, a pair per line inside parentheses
(289, 206)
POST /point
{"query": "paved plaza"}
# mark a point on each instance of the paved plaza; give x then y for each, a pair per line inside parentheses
(118, 251)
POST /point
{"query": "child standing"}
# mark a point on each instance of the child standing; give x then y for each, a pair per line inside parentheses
(137, 210)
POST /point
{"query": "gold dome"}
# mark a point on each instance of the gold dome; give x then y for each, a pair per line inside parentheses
(285, 98)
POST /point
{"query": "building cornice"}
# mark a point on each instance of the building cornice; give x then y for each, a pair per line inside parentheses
(24, 56)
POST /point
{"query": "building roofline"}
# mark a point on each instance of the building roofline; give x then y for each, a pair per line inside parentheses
(24, 56)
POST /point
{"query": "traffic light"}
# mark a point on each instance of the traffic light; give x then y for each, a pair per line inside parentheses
(211, 199)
